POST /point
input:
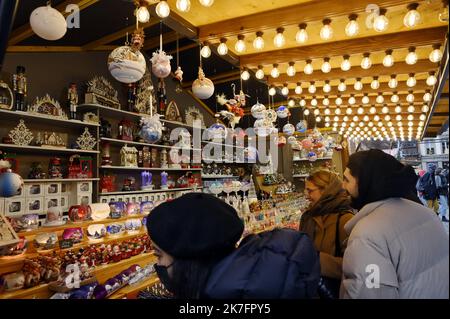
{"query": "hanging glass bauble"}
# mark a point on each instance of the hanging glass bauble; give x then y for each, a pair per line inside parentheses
(301, 126)
(161, 64)
(258, 110)
(281, 141)
(202, 87)
(307, 144)
(263, 127)
(10, 183)
(282, 112)
(292, 140)
(288, 129)
(217, 131)
(151, 129)
(312, 156)
(126, 65)
(48, 23)
(270, 115)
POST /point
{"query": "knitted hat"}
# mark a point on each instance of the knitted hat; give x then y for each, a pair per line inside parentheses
(195, 225)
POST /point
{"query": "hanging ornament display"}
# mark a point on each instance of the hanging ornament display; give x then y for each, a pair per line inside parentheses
(258, 110)
(161, 61)
(302, 126)
(283, 112)
(263, 127)
(151, 128)
(271, 115)
(217, 131)
(202, 87)
(48, 23)
(21, 135)
(288, 129)
(86, 141)
(126, 63)
(234, 106)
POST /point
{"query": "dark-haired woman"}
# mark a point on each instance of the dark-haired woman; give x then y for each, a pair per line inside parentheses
(396, 248)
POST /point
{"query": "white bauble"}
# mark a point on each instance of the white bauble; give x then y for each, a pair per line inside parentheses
(48, 23)
(202, 87)
(126, 65)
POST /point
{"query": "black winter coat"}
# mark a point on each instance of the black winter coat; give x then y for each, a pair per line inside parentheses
(271, 265)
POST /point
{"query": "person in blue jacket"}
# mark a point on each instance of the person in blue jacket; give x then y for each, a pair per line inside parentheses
(195, 239)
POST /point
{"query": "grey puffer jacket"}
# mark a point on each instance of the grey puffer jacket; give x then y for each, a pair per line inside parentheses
(406, 242)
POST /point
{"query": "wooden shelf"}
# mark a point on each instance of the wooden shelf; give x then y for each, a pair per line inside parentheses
(221, 144)
(300, 175)
(117, 141)
(102, 273)
(38, 149)
(63, 180)
(5, 114)
(307, 160)
(149, 168)
(131, 291)
(218, 176)
(149, 191)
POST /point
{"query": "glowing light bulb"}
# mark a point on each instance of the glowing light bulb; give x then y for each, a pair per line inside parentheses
(366, 118)
(206, 3)
(302, 35)
(410, 98)
(275, 72)
(427, 97)
(316, 112)
(298, 89)
(376, 118)
(411, 80)
(345, 118)
(302, 102)
(183, 5)
(398, 109)
(260, 73)
(291, 69)
(380, 22)
(318, 119)
(240, 45)
(326, 87)
(291, 103)
(431, 79)
(411, 57)
(272, 91)
(337, 111)
(327, 119)
(342, 87)
(312, 88)
(360, 110)
(245, 75)
(358, 85)
(338, 101)
(425, 108)
(326, 32)
(162, 9)
(352, 27)
(411, 109)
(412, 17)
(346, 65)
(351, 100)
(388, 59)
(279, 40)
(410, 117)
(308, 67)
(222, 49)
(435, 55)
(373, 110)
(205, 51)
(349, 111)
(398, 117)
(393, 82)
(365, 99)
(306, 112)
(285, 90)
(366, 62)
(375, 84)
(385, 110)
(336, 118)
(327, 111)
(326, 66)
(258, 43)
(395, 98)
(143, 15)
(326, 101)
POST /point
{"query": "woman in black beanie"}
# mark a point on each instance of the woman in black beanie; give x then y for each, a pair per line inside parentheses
(195, 238)
(396, 248)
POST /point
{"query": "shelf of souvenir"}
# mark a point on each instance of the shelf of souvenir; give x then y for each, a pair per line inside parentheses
(39, 149)
(131, 291)
(300, 175)
(51, 140)
(100, 91)
(117, 141)
(109, 112)
(128, 157)
(150, 191)
(218, 176)
(91, 118)
(47, 119)
(148, 168)
(63, 180)
(309, 160)
(47, 106)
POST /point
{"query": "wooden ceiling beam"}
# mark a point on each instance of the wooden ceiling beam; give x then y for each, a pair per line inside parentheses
(353, 46)
(24, 32)
(183, 48)
(291, 15)
(356, 72)
(31, 48)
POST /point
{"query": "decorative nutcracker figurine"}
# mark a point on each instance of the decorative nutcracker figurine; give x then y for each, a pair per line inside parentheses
(164, 177)
(162, 98)
(72, 100)
(20, 89)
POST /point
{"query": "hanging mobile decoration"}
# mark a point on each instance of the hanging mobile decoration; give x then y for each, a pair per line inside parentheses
(202, 87)
(126, 63)
(234, 111)
(160, 60)
(178, 72)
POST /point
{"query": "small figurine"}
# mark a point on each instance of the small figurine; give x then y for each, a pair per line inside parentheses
(36, 171)
(128, 156)
(129, 184)
(72, 100)
(164, 177)
(105, 128)
(106, 157)
(125, 130)
(146, 180)
(164, 163)
(20, 89)
(54, 168)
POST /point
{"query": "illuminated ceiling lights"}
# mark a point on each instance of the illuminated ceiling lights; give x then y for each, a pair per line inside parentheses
(245, 75)
(308, 69)
(338, 101)
(240, 45)
(411, 82)
(206, 3)
(272, 91)
(326, 101)
(142, 14)
(298, 88)
(393, 81)
(260, 73)
(425, 108)
(411, 57)
(312, 88)
(345, 65)
(326, 32)
(398, 109)
(326, 87)
(162, 9)
(326, 66)
(306, 112)
(366, 63)
(385, 110)
(337, 111)
(412, 17)
(373, 110)
(435, 55)
(427, 96)
(222, 49)
(349, 111)
(358, 85)
(365, 99)
(352, 27)
(291, 69)
(258, 43)
(431, 79)
(285, 90)
(291, 103)
(360, 110)
(275, 72)
(411, 109)
(279, 40)
(410, 97)
(388, 59)
(302, 102)
(380, 23)
(183, 5)
(205, 51)
(342, 86)
(375, 84)
(351, 100)
(302, 35)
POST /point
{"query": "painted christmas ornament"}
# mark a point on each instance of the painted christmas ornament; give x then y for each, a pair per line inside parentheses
(48, 23)
(10, 184)
(161, 64)
(312, 157)
(203, 88)
(217, 131)
(288, 129)
(292, 140)
(151, 129)
(282, 112)
(301, 126)
(263, 127)
(258, 110)
(271, 115)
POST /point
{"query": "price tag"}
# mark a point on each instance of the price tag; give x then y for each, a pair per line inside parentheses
(66, 243)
